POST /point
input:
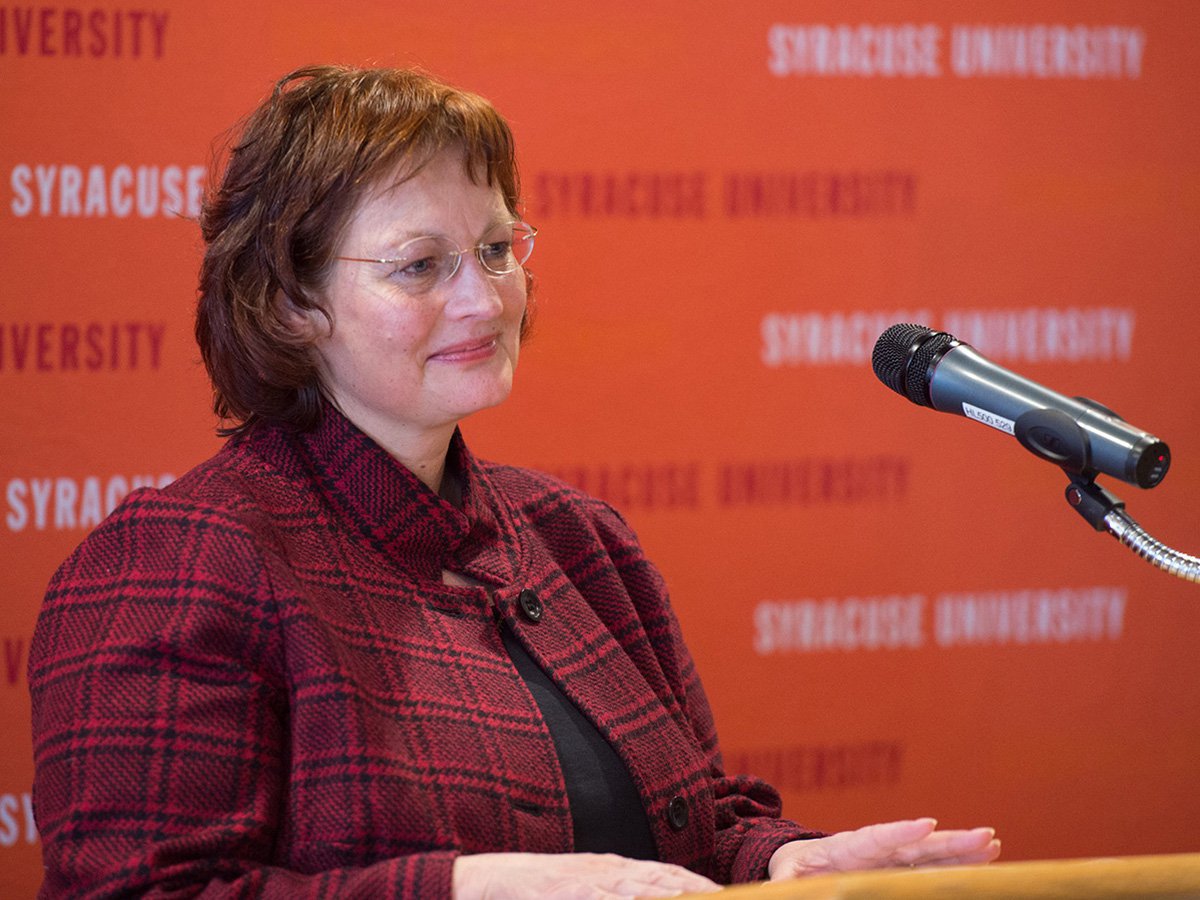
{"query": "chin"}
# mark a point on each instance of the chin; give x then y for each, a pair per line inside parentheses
(483, 400)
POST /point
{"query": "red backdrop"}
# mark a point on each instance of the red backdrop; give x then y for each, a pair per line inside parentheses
(894, 611)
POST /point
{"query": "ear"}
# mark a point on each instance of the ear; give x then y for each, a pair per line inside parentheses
(306, 322)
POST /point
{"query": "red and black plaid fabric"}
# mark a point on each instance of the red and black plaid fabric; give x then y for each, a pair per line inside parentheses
(254, 681)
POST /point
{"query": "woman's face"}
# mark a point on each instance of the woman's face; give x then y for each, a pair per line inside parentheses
(401, 363)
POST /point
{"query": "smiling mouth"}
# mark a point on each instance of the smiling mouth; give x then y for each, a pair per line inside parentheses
(467, 351)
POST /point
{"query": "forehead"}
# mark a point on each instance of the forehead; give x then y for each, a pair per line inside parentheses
(441, 198)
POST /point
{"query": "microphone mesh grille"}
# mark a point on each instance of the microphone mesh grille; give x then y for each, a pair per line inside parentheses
(916, 376)
(891, 352)
(902, 356)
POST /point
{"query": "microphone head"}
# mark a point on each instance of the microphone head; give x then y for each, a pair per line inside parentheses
(904, 357)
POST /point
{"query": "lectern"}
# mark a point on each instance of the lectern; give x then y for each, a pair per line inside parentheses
(1172, 876)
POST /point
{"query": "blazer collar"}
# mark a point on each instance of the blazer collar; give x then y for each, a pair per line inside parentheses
(393, 510)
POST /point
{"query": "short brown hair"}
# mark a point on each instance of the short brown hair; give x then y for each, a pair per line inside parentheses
(304, 159)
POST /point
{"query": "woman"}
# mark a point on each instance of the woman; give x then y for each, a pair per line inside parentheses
(344, 657)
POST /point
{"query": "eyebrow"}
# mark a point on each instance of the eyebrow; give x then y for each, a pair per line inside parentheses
(394, 240)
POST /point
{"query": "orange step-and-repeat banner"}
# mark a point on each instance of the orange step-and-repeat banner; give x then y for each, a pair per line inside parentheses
(894, 610)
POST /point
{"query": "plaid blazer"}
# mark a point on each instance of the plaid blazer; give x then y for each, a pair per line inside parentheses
(254, 681)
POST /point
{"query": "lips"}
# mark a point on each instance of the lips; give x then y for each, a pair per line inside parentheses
(465, 351)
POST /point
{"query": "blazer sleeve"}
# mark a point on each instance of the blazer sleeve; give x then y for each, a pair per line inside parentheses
(160, 722)
(749, 826)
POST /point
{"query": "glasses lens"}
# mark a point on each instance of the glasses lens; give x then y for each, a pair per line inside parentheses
(424, 263)
(522, 242)
(506, 252)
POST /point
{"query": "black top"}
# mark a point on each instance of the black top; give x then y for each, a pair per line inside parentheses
(605, 807)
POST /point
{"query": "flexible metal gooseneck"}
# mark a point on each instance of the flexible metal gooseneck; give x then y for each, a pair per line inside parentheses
(1133, 536)
(1106, 512)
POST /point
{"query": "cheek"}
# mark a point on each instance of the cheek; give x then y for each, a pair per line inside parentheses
(516, 303)
(377, 347)
(386, 325)
(391, 335)
(524, 311)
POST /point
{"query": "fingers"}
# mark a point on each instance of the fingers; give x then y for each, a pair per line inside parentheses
(986, 854)
(870, 847)
(885, 837)
(597, 876)
(662, 880)
(912, 842)
(877, 846)
(947, 847)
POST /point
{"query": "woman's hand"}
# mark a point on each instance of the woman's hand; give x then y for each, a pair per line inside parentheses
(911, 843)
(513, 876)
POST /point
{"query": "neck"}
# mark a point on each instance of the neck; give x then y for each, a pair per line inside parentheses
(420, 450)
(428, 464)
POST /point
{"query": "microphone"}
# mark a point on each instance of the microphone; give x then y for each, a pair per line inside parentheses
(935, 369)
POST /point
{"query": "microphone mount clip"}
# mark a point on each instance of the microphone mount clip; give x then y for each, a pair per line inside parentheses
(1104, 511)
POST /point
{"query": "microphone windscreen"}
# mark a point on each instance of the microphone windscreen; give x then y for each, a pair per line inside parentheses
(902, 358)
(891, 352)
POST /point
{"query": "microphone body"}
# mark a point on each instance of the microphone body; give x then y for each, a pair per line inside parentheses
(934, 369)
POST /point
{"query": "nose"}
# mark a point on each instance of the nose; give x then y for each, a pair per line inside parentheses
(472, 292)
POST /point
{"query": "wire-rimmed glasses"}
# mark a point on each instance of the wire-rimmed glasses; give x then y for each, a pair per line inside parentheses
(423, 263)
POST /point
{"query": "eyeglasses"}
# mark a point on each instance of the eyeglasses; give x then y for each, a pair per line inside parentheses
(425, 262)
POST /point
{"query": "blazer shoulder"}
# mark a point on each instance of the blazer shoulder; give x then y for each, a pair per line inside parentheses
(218, 515)
(533, 492)
(565, 515)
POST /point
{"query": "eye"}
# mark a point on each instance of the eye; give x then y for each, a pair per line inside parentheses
(421, 266)
(417, 268)
(497, 251)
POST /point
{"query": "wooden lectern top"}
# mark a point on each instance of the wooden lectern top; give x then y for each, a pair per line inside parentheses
(1173, 876)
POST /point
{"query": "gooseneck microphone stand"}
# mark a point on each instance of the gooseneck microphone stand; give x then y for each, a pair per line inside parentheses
(1106, 512)
(1082, 437)
(918, 363)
